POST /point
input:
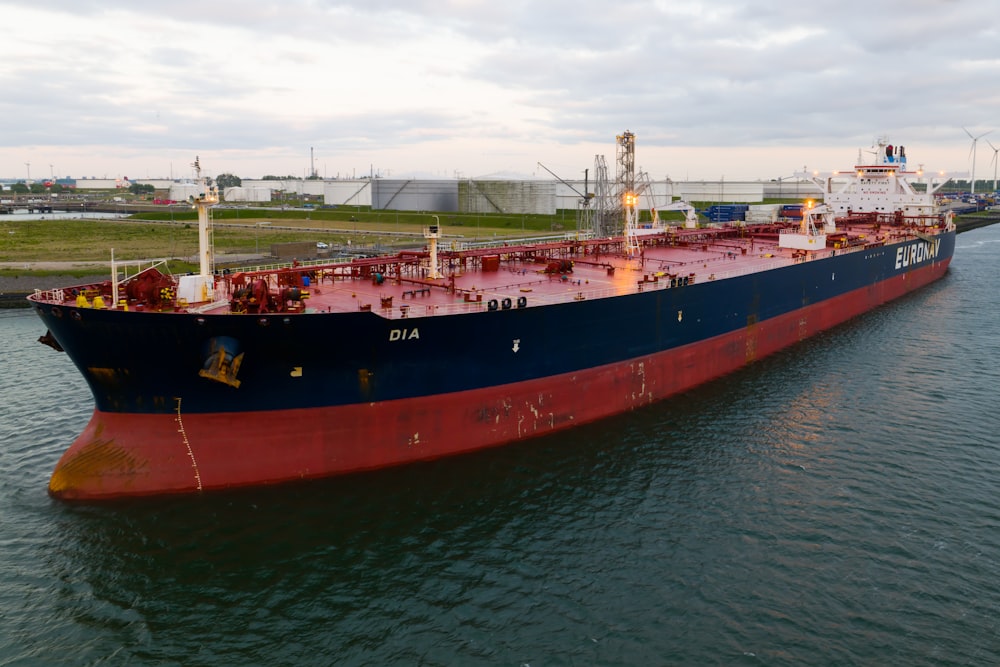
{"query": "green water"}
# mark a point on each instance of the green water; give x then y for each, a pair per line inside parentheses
(834, 504)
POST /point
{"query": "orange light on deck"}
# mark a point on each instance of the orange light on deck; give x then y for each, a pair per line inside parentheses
(630, 199)
(810, 203)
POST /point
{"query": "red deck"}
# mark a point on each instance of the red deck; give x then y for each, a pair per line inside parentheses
(599, 269)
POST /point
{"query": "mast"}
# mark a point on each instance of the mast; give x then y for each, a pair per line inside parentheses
(201, 287)
(203, 202)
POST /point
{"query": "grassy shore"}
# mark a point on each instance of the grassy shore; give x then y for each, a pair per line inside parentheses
(244, 232)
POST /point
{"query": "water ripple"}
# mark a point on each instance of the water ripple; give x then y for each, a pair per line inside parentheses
(832, 504)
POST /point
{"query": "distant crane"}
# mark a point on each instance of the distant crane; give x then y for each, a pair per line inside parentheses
(972, 152)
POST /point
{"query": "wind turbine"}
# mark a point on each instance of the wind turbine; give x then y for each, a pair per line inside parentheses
(972, 152)
(994, 161)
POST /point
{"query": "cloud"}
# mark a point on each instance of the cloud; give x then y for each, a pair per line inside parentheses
(477, 87)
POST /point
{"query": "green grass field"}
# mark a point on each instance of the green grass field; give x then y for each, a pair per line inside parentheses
(247, 232)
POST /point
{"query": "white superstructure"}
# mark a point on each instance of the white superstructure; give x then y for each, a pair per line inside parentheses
(881, 184)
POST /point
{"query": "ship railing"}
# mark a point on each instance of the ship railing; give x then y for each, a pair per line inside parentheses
(306, 263)
(136, 266)
(56, 295)
(453, 246)
(581, 235)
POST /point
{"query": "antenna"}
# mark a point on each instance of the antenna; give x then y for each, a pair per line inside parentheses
(972, 152)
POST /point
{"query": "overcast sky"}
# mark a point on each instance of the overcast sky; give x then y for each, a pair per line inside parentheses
(728, 89)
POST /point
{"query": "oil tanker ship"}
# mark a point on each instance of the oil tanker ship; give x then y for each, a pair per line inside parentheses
(253, 377)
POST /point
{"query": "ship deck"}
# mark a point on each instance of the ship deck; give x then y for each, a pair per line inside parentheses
(510, 275)
(517, 278)
(522, 274)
